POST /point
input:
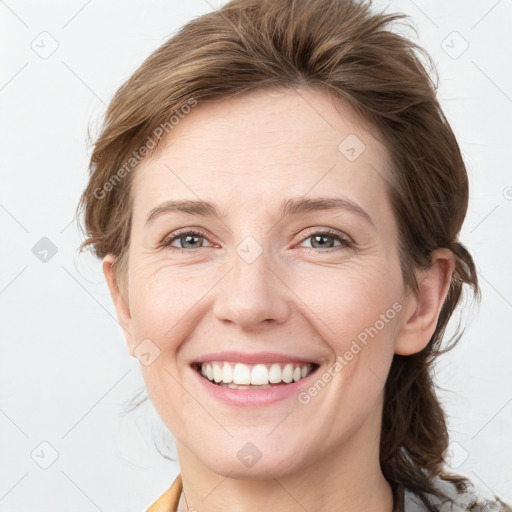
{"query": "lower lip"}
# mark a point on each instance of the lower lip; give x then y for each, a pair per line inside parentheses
(254, 397)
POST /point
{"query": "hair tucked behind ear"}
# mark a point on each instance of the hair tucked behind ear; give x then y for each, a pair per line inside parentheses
(350, 52)
(414, 434)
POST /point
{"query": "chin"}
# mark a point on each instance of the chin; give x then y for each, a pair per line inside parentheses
(270, 464)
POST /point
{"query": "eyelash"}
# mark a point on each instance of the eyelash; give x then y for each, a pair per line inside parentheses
(344, 241)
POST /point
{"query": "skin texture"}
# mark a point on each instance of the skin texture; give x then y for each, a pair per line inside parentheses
(246, 155)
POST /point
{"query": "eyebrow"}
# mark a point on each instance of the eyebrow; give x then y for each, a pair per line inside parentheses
(292, 206)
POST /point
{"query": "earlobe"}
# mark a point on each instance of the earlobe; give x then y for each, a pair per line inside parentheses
(120, 303)
(422, 308)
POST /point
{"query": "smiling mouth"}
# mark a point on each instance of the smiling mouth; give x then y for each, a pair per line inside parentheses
(256, 376)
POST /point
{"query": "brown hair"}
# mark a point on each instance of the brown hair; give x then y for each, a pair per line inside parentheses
(344, 48)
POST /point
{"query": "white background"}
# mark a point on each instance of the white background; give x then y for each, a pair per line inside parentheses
(64, 369)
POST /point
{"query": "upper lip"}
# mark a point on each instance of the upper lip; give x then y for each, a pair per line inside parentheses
(252, 358)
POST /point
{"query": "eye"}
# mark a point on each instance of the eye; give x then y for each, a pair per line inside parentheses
(318, 239)
(191, 239)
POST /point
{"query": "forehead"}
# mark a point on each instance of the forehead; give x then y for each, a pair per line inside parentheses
(262, 145)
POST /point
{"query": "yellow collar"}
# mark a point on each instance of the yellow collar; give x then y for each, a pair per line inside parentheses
(169, 500)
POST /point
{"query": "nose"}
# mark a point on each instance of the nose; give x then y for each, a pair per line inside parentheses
(252, 294)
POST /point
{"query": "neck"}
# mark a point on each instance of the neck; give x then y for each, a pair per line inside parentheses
(383, 498)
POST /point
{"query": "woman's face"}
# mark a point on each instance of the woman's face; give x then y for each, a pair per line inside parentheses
(251, 280)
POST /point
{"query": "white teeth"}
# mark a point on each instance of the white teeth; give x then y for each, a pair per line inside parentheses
(259, 375)
(262, 375)
(236, 386)
(288, 373)
(217, 373)
(241, 374)
(274, 375)
(227, 373)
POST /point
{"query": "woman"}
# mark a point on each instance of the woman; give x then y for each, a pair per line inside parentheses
(277, 196)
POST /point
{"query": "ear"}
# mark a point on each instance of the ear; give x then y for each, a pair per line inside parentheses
(422, 308)
(120, 302)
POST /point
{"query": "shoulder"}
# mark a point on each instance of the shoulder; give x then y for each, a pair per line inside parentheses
(462, 497)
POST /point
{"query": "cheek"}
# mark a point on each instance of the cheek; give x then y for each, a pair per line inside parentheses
(355, 311)
(347, 299)
(161, 301)
(163, 305)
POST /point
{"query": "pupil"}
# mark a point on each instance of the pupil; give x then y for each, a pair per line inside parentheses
(189, 237)
(316, 237)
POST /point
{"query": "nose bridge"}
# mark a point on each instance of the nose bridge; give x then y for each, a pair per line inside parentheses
(251, 293)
